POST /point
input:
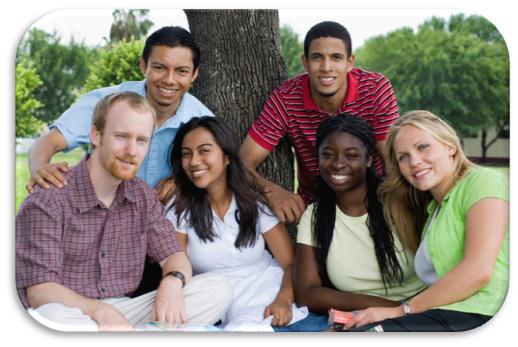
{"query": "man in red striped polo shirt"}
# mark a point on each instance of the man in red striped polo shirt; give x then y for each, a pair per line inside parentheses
(330, 87)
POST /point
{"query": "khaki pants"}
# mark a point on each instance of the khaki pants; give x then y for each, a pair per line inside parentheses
(207, 297)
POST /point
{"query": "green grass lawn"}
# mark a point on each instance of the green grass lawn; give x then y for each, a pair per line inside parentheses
(23, 175)
(503, 170)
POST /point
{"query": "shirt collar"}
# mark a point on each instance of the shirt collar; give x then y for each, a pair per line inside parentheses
(128, 190)
(433, 203)
(183, 112)
(83, 189)
(139, 88)
(350, 95)
(84, 192)
(232, 208)
(448, 195)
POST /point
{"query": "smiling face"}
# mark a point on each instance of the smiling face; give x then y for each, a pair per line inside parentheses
(327, 65)
(123, 143)
(343, 162)
(169, 74)
(203, 160)
(424, 161)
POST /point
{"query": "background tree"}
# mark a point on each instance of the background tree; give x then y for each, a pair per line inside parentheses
(291, 49)
(27, 81)
(62, 68)
(129, 25)
(457, 69)
(117, 63)
(241, 64)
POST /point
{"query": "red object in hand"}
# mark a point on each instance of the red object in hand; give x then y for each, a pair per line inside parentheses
(338, 319)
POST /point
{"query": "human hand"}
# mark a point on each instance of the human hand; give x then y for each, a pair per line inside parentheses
(164, 189)
(287, 206)
(110, 319)
(48, 173)
(281, 311)
(373, 314)
(169, 305)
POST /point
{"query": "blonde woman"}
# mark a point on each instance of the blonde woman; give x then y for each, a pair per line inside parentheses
(456, 215)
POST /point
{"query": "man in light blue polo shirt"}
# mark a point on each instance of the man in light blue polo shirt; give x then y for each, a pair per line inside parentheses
(169, 63)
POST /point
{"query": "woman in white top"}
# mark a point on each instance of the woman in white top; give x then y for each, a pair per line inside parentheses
(347, 258)
(223, 224)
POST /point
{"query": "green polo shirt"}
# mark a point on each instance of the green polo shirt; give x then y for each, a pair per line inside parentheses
(446, 238)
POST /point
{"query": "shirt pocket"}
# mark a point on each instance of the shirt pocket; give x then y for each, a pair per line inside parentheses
(81, 241)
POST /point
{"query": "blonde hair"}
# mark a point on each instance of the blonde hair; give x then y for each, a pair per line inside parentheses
(136, 101)
(404, 205)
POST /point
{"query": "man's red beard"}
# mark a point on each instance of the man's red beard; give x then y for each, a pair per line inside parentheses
(118, 169)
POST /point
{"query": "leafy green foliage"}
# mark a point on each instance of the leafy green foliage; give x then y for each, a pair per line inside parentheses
(117, 63)
(62, 69)
(457, 69)
(291, 49)
(27, 81)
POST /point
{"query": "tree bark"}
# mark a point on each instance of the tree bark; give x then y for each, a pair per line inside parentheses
(241, 63)
(484, 147)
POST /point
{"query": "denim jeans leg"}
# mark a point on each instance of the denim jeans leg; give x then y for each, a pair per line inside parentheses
(312, 323)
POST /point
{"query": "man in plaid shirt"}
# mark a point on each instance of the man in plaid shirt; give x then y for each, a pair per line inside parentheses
(80, 250)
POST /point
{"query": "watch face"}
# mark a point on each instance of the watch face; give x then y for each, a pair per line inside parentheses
(406, 307)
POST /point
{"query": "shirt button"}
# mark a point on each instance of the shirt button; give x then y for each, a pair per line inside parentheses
(103, 290)
(102, 254)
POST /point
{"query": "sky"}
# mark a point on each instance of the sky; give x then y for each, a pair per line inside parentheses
(17, 16)
(93, 25)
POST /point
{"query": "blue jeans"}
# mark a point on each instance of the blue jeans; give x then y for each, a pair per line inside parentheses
(312, 323)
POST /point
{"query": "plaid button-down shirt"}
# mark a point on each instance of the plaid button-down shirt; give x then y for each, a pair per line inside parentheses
(69, 237)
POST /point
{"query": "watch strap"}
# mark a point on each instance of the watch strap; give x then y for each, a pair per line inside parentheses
(178, 275)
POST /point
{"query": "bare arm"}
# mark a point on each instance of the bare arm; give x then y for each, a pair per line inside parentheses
(182, 240)
(40, 154)
(281, 247)
(287, 206)
(487, 224)
(310, 292)
(169, 303)
(106, 316)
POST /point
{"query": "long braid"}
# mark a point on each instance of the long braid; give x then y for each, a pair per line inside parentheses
(391, 272)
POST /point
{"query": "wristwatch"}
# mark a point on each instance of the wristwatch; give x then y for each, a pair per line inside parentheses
(178, 275)
(406, 307)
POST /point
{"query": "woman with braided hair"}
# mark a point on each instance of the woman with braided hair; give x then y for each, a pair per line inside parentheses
(347, 257)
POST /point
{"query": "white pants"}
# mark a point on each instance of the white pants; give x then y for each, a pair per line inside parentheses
(207, 297)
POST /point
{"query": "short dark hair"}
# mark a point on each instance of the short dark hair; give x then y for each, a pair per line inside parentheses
(172, 36)
(328, 29)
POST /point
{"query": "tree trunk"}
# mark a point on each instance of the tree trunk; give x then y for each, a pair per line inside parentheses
(241, 63)
(483, 145)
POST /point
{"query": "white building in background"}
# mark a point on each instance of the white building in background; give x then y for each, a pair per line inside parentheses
(497, 153)
(24, 144)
